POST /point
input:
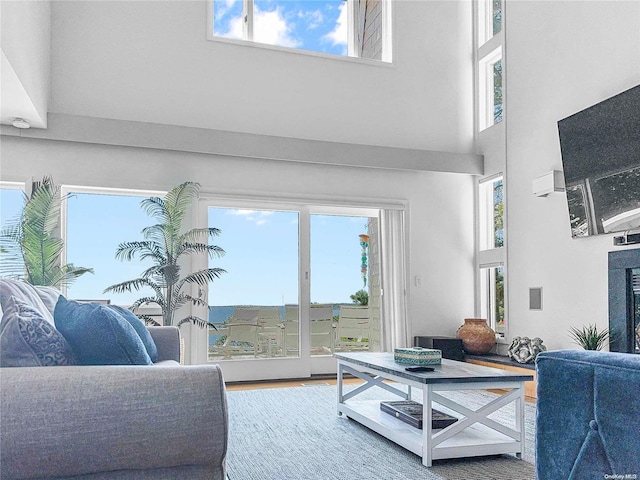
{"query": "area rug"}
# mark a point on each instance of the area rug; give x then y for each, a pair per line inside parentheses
(296, 434)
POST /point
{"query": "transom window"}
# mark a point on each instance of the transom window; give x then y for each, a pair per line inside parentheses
(354, 28)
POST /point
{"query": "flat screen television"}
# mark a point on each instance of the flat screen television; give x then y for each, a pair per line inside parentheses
(600, 149)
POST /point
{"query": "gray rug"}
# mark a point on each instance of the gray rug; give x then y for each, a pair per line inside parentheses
(296, 434)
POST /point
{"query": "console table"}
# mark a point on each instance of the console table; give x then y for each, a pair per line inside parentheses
(474, 434)
(504, 362)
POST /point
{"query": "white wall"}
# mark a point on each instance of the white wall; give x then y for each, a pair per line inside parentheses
(561, 57)
(151, 62)
(440, 204)
(26, 35)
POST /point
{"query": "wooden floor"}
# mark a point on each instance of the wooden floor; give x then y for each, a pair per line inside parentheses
(286, 383)
(232, 386)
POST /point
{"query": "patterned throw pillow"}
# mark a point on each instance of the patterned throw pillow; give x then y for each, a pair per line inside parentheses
(99, 335)
(26, 293)
(27, 339)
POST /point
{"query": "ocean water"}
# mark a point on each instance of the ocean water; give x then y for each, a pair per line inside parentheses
(219, 314)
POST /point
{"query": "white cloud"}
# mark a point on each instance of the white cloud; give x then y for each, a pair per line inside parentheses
(271, 28)
(339, 35)
(258, 217)
(242, 212)
(314, 19)
(234, 28)
(233, 25)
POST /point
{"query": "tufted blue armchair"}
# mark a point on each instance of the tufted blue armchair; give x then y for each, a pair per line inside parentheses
(588, 416)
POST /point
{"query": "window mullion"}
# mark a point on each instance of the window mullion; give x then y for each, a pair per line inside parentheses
(247, 26)
(352, 30)
(387, 38)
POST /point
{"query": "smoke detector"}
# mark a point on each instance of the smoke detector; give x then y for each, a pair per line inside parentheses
(21, 123)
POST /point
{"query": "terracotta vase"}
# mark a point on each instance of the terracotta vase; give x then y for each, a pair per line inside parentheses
(477, 337)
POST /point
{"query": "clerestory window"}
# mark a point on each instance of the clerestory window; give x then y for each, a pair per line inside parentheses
(348, 28)
(491, 254)
(489, 55)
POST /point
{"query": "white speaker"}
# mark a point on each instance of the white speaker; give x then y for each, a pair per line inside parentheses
(550, 182)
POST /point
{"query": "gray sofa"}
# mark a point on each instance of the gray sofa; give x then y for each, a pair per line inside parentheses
(163, 421)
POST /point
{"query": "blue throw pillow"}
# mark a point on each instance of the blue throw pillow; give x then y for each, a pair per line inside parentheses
(27, 339)
(141, 329)
(99, 335)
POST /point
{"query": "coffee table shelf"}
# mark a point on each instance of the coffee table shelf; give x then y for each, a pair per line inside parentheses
(474, 434)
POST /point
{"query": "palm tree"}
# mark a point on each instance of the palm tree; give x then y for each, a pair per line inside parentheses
(30, 248)
(165, 246)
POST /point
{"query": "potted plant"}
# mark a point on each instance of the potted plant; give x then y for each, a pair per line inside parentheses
(31, 249)
(589, 338)
(166, 245)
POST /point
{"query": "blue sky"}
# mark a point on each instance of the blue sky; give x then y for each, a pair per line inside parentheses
(261, 251)
(262, 257)
(319, 26)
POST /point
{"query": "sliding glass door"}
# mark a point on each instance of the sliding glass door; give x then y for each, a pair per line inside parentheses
(296, 287)
(341, 316)
(254, 305)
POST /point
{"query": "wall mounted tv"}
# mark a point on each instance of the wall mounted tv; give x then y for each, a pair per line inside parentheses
(600, 149)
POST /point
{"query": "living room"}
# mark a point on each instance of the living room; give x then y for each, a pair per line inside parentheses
(134, 96)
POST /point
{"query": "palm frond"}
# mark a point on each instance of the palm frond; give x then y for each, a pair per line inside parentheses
(156, 234)
(155, 207)
(212, 251)
(128, 250)
(11, 260)
(199, 234)
(149, 321)
(42, 210)
(197, 321)
(71, 272)
(135, 284)
(203, 277)
(178, 201)
(146, 301)
(196, 301)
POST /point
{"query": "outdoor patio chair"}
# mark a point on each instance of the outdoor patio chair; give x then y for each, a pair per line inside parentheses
(322, 329)
(291, 329)
(242, 332)
(271, 331)
(353, 329)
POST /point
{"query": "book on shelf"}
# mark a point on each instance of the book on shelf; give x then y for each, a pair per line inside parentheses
(411, 412)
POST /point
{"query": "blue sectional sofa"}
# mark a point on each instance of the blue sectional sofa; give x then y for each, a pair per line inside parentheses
(588, 416)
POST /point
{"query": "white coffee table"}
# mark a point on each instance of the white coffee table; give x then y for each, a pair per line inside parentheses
(474, 434)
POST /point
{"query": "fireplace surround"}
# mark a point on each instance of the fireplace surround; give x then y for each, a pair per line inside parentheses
(624, 301)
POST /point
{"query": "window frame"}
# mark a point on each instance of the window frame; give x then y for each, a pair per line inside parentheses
(66, 190)
(488, 52)
(305, 363)
(490, 256)
(387, 55)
